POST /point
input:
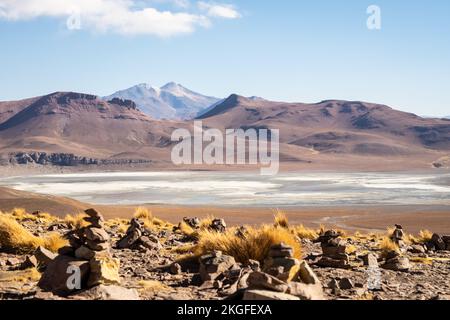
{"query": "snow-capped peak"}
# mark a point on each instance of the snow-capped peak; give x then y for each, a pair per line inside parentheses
(171, 101)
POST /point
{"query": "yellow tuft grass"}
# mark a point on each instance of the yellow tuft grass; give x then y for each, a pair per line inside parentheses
(425, 236)
(351, 249)
(16, 238)
(255, 246)
(76, 221)
(305, 233)
(281, 220)
(151, 222)
(20, 214)
(386, 245)
(186, 229)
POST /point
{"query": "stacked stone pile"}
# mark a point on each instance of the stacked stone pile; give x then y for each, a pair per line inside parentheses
(333, 251)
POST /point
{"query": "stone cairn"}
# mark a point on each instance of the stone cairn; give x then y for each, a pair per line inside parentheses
(283, 278)
(93, 243)
(398, 236)
(89, 253)
(333, 251)
(281, 262)
(394, 260)
(138, 238)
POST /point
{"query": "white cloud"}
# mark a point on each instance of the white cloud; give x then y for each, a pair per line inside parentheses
(129, 17)
(213, 9)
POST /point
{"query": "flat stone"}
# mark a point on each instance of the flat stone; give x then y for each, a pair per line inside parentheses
(129, 239)
(370, 260)
(30, 262)
(307, 275)
(112, 292)
(306, 291)
(346, 284)
(93, 213)
(417, 249)
(397, 264)
(96, 246)
(96, 234)
(12, 261)
(263, 295)
(281, 251)
(260, 280)
(327, 262)
(44, 256)
(84, 253)
(213, 265)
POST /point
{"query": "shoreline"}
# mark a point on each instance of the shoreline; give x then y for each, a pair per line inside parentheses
(349, 217)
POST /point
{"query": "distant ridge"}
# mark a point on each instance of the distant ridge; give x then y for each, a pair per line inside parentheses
(72, 128)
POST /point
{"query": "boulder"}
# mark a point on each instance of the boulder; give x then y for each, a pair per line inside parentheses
(397, 264)
(263, 295)
(104, 270)
(56, 275)
(438, 242)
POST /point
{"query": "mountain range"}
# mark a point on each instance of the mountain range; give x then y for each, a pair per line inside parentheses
(172, 101)
(66, 128)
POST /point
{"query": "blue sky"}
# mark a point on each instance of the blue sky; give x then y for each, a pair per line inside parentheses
(290, 50)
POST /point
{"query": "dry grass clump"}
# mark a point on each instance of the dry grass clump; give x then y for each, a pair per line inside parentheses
(305, 233)
(21, 214)
(187, 230)
(16, 238)
(150, 222)
(255, 246)
(425, 236)
(387, 245)
(76, 221)
(281, 220)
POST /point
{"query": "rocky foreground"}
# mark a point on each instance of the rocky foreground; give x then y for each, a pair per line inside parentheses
(148, 259)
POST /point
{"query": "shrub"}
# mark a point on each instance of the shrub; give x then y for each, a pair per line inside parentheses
(255, 246)
(14, 237)
(305, 233)
(281, 220)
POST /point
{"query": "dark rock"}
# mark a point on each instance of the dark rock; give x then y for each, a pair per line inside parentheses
(55, 278)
